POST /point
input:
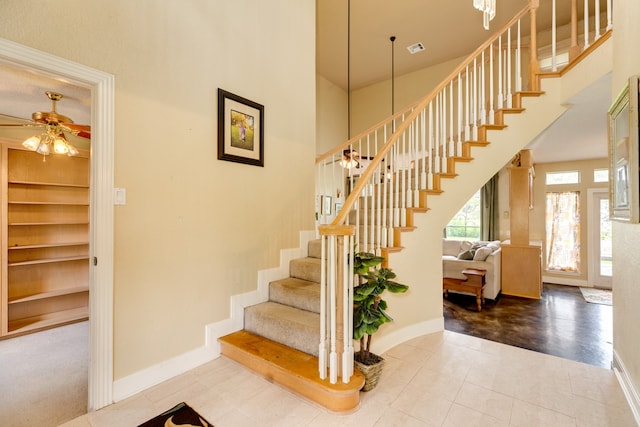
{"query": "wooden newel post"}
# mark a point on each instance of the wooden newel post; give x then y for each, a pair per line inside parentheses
(534, 64)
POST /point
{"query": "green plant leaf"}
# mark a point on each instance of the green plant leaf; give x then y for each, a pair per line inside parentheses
(396, 288)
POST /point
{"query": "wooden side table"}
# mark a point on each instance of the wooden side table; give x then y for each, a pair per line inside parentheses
(474, 283)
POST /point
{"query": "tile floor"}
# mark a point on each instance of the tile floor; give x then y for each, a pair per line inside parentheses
(442, 379)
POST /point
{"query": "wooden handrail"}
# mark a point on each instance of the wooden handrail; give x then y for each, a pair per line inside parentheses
(413, 111)
(415, 105)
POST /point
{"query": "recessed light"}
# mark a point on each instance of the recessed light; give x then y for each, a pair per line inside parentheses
(415, 48)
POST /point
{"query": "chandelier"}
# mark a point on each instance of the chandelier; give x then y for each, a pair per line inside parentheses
(488, 8)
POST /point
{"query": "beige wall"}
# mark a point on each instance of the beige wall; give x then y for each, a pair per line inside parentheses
(373, 103)
(195, 230)
(626, 237)
(331, 115)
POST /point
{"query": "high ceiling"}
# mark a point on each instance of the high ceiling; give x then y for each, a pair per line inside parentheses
(448, 29)
(372, 23)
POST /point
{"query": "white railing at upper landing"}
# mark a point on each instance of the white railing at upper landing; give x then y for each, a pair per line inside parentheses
(400, 160)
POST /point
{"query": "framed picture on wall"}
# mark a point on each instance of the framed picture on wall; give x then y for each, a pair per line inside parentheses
(240, 129)
(325, 205)
(624, 193)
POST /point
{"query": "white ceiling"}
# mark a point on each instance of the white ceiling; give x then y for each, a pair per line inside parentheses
(582, 129)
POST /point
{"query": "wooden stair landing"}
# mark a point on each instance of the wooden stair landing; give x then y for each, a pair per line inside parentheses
(293, 369)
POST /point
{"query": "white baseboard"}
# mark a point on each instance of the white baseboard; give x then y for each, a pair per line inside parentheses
(566, 281)
(387, 342)
(235, 322)
(629, 389)
(153, 375)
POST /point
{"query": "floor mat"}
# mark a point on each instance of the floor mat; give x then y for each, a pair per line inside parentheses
(597, 296)
(180, 415)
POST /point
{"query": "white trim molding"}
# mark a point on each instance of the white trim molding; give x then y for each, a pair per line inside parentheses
(235, 322)
(102, 87)
(387, 342)
(153, 375)
(557, 280)
(626, 383)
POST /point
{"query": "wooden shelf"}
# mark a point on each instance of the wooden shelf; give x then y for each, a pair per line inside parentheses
(28, 224)
(36, 323)
(49, 184)
(46, 220)
(50, 294)
(24, 202)
(48, 260)
(48, 245)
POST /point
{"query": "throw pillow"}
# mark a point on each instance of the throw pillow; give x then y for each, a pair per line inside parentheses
(494, 245)
(482, 253)
(467, 255)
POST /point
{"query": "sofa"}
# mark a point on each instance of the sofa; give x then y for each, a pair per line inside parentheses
(458, 255)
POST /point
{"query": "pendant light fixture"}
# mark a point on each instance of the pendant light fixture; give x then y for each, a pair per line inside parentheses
(349, 156)
(488, 8)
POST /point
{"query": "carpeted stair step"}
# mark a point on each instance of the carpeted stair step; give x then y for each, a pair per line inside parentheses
(299, 329)
(292, 369)
(315, 248)
(306, 269)
(297, 293)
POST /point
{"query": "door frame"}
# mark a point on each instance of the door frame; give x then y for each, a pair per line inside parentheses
(594, 277)
(101, 229)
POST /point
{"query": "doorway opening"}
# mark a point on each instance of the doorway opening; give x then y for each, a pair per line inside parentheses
(102, 85)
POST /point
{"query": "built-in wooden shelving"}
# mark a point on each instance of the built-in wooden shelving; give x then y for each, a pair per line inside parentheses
(45, 241)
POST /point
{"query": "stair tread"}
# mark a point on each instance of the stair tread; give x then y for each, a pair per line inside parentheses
(292, 369)
(297, 293)
(288, 325)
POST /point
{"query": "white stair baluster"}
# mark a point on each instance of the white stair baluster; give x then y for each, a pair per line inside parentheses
(492, 118)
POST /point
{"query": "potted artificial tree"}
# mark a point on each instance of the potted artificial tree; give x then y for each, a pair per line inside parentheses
(369, 311)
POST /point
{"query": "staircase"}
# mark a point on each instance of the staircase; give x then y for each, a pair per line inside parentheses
(282, 337)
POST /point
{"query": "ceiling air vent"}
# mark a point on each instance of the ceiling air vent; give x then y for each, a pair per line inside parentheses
(415, 48)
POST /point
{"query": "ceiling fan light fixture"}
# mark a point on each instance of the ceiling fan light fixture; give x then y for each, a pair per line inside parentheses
(32, 142)
(53, 140)
(349, 159)
(60, 145)
(44, 148)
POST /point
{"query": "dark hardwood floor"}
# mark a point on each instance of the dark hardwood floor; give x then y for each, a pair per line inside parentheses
(561, 323)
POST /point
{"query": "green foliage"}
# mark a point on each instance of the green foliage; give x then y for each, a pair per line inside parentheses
(369, 311)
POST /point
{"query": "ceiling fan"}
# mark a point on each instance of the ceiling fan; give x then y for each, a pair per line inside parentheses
(55, 125)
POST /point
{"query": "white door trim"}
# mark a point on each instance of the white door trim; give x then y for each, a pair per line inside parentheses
(102, 87)
(594, 277)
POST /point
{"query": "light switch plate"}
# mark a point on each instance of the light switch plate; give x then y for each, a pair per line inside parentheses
(120, 196)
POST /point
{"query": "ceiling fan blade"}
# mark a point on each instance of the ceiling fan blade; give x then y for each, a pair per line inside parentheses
(28, 125)
(83, 131)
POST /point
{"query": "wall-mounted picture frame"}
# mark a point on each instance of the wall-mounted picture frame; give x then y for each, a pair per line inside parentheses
(325, 205)
(623, 135)
(240, 129)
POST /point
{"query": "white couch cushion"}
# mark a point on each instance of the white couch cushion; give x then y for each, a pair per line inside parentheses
(450, 247)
